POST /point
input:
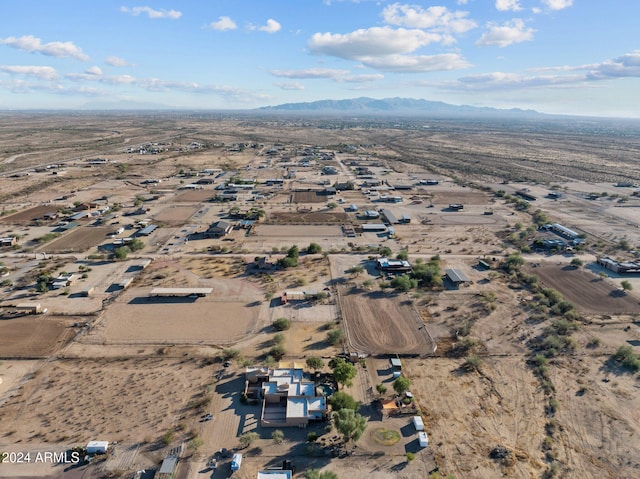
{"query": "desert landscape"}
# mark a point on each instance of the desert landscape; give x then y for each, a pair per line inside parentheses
(151, 264)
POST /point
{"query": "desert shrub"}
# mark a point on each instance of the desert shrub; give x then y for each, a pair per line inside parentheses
(277, 352)
(410, 456)
(626, 357)
(335, 336)
(312, 436)
(277, 436)
(282, 324)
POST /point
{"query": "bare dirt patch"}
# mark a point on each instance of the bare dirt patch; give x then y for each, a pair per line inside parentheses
(176, 215)
(467, 415)
(34, 336)
(309, 217)
(588, 292)
(309, 197)
(295, 231)
(378, 323)
(81, 239)
(126, 400)
(467, 197)
(196, 196)
(29, 215)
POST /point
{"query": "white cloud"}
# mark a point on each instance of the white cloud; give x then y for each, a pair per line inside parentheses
(327, 73)
(310, 73)
(434, 18)
(95, 70)
(558, 4)
(417, 63)
(270, 27)
(372, 42)
(462, 2)
(506, 34)
(223, 23)
(508, 5)
(117, 62)
(33, 44)
(624, 66)
(44, 73)
(536, 10)
(151, 13)
(290, 86)
(362, 78)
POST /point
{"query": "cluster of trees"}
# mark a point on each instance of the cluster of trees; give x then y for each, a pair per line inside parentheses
(122, 252)
(426, 275)
(291, 260)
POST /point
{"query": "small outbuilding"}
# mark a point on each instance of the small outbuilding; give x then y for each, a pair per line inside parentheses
(423, 439)
(97, 447)
(418, 423)
(456, 276)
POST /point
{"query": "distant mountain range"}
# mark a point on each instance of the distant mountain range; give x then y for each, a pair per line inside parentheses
(395, 106)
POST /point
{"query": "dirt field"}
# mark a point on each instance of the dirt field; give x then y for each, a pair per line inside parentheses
(294, 231)
(195, 196)
(379, 323)
(80, 239)
(467, 415)
(176, 215)
(466, 197)
(123, 400)
(311, 217)
(587, 291)
(309, 197)
(28, 216)
(34, 336)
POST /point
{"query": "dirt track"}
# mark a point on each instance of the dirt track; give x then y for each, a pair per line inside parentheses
(378, 323)
(588, 292)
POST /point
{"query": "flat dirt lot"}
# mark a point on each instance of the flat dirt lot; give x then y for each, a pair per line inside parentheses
(34, 336)
(80, 239)
(467, 197)
(311, 217)
(127, 400)
(467, 415)
(197, 196)
(176, 215)
(293, 231)
(379, 323)
(309, 197)
(587, 291)
(28, 216)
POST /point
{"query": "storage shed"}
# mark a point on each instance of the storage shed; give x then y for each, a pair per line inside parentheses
(97, 447)
(423, 439)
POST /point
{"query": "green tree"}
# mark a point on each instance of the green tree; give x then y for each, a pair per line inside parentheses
(293, 252)
(314, 248)
(282, 324)
(626, 285)
(343, 372)
(248, 438)
(385, 251)
(121, 253)
(136, 245)
(315, 474)
(401, 385)
(350, 424)
(332, 205)
(341, 400)
(315, 363)
(403, 255)
(335, 336)
(403, 283)
(381, 388)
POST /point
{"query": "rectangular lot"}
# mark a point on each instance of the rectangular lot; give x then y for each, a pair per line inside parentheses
(33, 336)
(80, 239)
(176, 215)
(382, 323)
(30, 215)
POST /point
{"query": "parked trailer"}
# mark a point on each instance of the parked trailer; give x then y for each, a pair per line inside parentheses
(418, 423)
(236, 462)
(423, 439)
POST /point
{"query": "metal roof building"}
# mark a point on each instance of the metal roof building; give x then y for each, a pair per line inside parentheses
(146, 231)
(179, 292)
(389, 216)
(456, 276)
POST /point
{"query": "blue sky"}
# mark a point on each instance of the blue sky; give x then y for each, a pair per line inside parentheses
(555, 56)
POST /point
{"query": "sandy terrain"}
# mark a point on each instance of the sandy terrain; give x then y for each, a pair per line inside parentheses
(587, 291)
(34, 336)
(176, 215)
